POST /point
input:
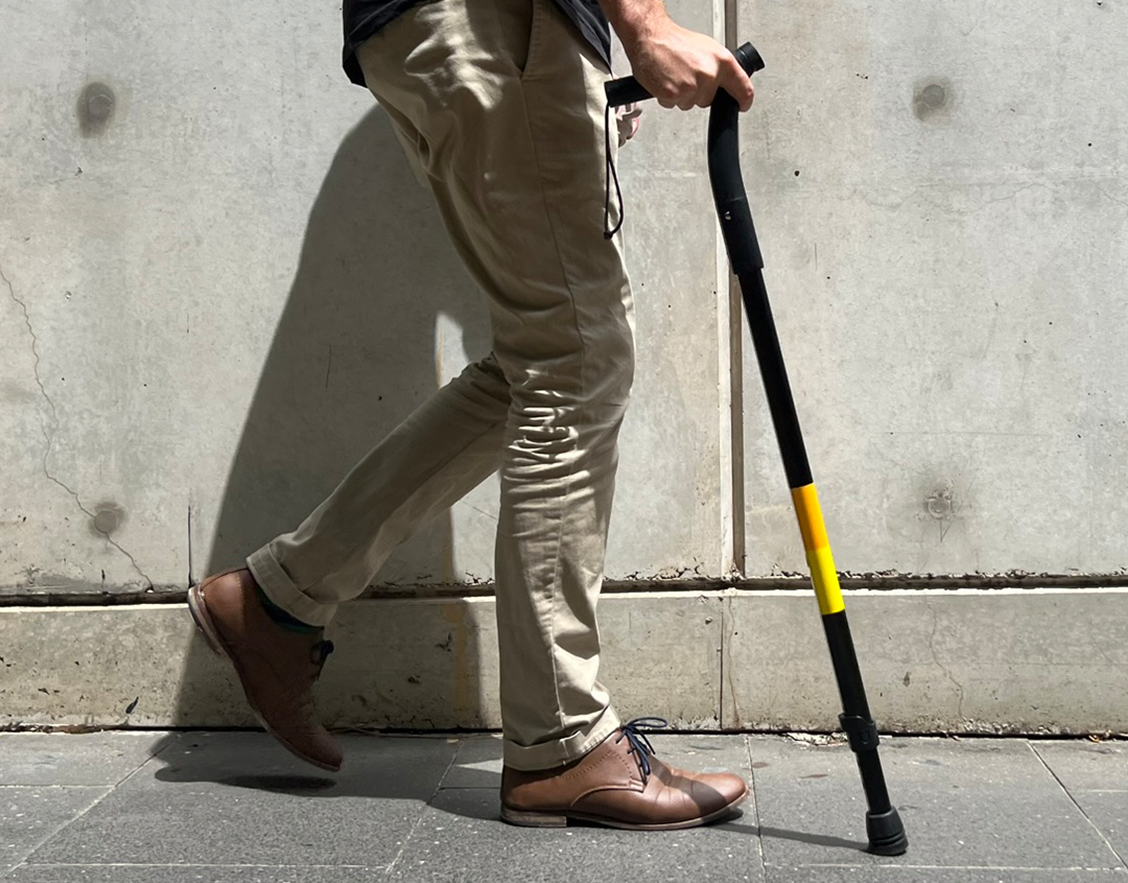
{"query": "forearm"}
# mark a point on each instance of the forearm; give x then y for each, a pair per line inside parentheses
(634, 20)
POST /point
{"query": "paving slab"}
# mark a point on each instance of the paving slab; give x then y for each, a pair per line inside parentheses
(1096, 777)
(1108, 812)
(461, 839)
(29, 815)
(967, 803)
(215, 798)
(1081, 765)
(62, 759)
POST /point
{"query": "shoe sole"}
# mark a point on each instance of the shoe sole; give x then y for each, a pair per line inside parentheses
(560, 820)
(197, 606)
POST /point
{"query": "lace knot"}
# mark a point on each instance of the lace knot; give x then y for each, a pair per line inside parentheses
(638, 744)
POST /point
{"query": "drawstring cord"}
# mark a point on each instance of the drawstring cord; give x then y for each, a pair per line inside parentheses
(611, 175)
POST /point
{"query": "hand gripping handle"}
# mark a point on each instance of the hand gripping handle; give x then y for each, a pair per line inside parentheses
(628, 90)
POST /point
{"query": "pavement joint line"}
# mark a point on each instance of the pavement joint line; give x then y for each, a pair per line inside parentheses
(423, 809)
(178, 865)
(755, 803)
(907, 867)
(4, 871)
(1080, 809)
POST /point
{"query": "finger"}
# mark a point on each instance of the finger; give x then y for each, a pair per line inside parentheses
(737, 83)
(707, 94)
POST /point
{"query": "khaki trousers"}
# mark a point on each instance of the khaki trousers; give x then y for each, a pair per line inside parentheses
(500, 107)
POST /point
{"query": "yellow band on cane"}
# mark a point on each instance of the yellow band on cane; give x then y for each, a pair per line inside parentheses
(825, 578)
(819, 558)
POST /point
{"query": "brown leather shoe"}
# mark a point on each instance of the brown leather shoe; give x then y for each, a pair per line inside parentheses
(276, 666)
(620, 784)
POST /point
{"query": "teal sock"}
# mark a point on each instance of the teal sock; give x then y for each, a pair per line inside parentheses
(283, 618)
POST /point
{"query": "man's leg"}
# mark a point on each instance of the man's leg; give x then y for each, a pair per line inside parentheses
(267, 619)
(505, 103)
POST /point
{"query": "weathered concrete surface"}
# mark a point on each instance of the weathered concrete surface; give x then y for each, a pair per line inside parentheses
(948, 661)
(417, 664)
(942, 202)
(221, 285)
(1006, 661)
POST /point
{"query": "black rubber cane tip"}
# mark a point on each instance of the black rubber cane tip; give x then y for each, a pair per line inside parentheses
(886, 833)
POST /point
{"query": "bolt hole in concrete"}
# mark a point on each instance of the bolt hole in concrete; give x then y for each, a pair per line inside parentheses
(108, 517)
(95, 108)
(932, 97)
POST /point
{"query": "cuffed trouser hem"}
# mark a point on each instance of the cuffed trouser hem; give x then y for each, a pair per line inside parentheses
(280, 589)
(547, 755)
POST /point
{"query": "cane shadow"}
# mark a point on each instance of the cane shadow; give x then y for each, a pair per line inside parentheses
(796, 836)
(379, 298)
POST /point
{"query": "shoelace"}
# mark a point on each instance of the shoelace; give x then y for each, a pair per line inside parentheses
(640, 746)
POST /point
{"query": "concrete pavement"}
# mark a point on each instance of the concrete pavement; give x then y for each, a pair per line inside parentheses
(135, 807)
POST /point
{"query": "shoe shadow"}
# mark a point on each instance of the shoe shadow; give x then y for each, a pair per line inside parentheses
(376, 767)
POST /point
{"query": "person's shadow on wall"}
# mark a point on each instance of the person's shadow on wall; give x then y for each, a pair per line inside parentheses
(356, 349)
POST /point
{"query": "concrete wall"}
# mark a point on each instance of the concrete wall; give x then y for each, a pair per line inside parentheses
(943, 205)
(219, 285)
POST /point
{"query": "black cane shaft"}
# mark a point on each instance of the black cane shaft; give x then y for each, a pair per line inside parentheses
(773, 371)
(845, 661)
(855, 707)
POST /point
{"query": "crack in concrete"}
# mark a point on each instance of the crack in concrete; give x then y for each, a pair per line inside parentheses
(1108, 195)
(50, 427)
(941, 666)
(923, 190)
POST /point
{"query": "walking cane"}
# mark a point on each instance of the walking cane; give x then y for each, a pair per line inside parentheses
(883, 826)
